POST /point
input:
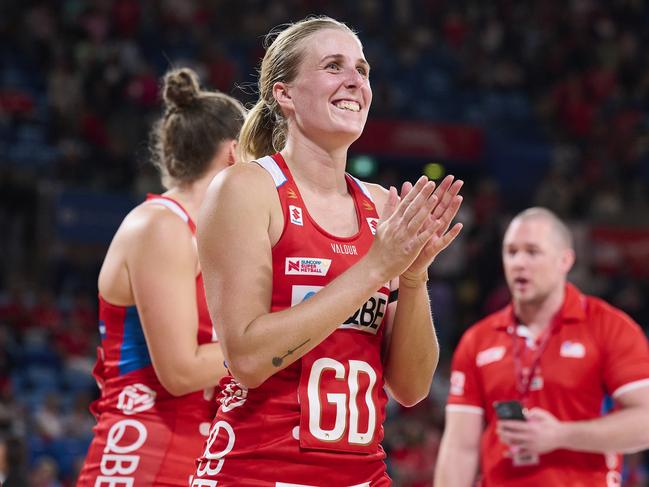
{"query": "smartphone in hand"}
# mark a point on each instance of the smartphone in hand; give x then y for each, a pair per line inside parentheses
(509, 410)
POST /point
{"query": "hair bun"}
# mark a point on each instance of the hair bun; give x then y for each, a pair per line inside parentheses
(181, 88)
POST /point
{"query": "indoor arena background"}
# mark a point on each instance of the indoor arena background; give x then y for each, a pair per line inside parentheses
(530, 102)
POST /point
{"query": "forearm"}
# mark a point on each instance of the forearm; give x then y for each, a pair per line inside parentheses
(413, 351)
(623, 431)
(273, 341)
(189, 372)
(456, 466)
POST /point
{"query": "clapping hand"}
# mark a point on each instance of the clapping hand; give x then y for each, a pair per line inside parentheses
(446, 207)
(415, 228)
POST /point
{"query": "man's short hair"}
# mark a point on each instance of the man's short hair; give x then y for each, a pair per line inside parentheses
(560, 228)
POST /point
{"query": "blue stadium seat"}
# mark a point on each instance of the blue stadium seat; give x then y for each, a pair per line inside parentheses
(43, 379)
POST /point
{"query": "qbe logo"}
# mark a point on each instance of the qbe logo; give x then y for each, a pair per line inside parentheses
(367, 318)
(120, 460)
(219, 443)
(306, 266)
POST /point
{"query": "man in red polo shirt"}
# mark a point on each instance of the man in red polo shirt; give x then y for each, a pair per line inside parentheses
(558, 352)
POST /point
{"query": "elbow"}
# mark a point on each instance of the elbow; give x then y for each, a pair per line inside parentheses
(176, 384)
(176, 388)
(247, 372)
(409, 394)
(177, 379)
(410, 399)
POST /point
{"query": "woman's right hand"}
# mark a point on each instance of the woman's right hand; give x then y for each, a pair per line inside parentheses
(404, 228)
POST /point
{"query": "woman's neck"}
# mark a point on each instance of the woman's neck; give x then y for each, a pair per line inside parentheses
(191, 195)
(320, 169)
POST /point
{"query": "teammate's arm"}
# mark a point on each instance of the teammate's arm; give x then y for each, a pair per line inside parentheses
(235, 253)
(162, 266)
(459, 452)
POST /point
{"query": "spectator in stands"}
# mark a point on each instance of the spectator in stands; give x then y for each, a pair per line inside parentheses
(12, 461)
(49, 417)
(44, 473)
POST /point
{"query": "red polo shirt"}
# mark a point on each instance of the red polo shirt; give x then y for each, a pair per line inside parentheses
(594, 349)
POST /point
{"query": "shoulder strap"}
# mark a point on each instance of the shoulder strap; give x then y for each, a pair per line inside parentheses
(361, 185)
(174, 206)
(268, 163)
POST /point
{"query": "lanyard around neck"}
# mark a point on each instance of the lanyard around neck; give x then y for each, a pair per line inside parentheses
(524, 381)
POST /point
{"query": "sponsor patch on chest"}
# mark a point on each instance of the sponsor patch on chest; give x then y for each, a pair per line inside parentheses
(572, 349)
(490, 355)
(306, 266)
(295, 215)
(367, 318)
(373, 223)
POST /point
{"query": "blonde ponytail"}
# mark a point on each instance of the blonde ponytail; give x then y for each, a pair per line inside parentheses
(256, 135)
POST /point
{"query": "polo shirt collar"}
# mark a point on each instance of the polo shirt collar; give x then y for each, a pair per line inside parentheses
(573, 310)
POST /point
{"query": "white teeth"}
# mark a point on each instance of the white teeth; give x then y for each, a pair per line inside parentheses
(348, 105)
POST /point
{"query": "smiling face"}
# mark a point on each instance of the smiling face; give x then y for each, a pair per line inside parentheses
(536, 259)
(330, 97)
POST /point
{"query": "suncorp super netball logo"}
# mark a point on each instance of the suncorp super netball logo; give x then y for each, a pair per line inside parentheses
(306, 266)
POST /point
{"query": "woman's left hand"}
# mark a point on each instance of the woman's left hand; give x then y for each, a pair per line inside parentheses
(449, 202)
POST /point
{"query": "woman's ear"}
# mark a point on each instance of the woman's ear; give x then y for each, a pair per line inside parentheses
(281, 93)
(232, 152)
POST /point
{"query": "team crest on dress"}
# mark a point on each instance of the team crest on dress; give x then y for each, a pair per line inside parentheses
(295, 215)
(367, 205)
(291, 194)
(136, 398)
(233, 395)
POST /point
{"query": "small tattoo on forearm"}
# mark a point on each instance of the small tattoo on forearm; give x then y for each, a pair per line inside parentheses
(277, 361)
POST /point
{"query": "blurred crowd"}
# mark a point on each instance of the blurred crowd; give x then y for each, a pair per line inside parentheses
(559, 88)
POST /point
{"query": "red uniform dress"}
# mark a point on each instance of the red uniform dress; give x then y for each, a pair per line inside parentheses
(593, 349)
(144, 436)
(319, 421)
